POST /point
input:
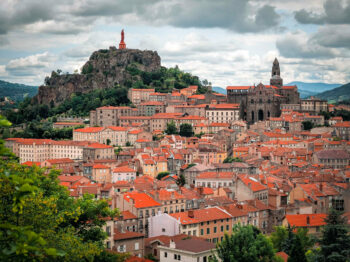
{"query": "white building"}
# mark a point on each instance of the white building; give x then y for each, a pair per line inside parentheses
(123, 173)
(163, 224)
(188, 250)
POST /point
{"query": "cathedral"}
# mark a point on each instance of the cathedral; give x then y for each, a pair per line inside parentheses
(258, 103)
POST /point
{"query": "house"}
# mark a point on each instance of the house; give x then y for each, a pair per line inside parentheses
(210, 223)
(123, 173)
(313, 222)
(248, 187)
(332, 158)
(187, 249)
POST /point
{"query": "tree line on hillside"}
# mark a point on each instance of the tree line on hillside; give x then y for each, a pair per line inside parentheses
(80, 104)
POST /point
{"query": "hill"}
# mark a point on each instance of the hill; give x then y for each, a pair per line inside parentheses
(17, 92)
(337, 94)
(219, 89)
(313, 87)
(105, 80)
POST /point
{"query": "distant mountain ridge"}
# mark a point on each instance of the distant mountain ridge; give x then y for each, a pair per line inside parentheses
(313, 87)
(219, 89)
(17, 92)
(337, 94)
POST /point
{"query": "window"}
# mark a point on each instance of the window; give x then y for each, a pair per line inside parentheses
(227, 227)
(202, 232)
(214, 229)
(222, 228)
(208, 230)
(137, 246)
(163, 229)
(165, 254)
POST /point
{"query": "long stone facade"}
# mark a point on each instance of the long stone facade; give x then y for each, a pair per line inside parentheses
(259, 103)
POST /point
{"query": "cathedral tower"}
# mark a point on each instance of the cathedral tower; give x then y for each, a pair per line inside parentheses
(276, 79)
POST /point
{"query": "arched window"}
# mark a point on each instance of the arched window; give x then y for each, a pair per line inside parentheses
(252, 101)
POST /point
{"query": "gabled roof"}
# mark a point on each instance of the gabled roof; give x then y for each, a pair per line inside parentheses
(252, 183)
(201, 215)
(141, 200)
(306, 220)
(123, 169)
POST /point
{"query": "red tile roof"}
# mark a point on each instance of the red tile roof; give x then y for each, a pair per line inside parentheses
(123, 169)
(252, 183)
(89, 130)
(141, 200)
(300, 220)
(201, 215)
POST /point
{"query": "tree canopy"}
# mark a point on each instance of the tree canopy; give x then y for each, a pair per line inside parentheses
(39, 221)
(186, 130)
(245, 244)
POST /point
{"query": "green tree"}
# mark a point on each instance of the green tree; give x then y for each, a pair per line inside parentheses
(171, 128)
(335, 242)
(181, 181)
(297, 252)
(232, 159)
(246, 243)
(39, 221)
(278, 237)
(162, 174)
(307, 125)
(108, 141)
(186, 130)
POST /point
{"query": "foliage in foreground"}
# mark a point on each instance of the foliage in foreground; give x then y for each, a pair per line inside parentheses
(246, 243)
(39, 221)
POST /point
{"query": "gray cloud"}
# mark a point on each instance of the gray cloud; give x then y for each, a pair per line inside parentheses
(335, 12)
(333, 36)
(298, 46)
(27, 66)
(235, 15)
(66, 17)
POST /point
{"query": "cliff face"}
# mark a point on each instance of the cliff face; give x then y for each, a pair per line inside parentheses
(105, 69)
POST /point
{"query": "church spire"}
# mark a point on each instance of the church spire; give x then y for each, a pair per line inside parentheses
(122, 44)
(276, 79)
(276, 68)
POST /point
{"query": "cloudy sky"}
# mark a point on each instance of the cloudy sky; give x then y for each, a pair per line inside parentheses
(228, 42)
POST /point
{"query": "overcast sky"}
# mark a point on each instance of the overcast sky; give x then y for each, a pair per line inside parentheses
(228, 42)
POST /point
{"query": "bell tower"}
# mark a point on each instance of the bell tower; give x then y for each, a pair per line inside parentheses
(122, 44)
(276, 79)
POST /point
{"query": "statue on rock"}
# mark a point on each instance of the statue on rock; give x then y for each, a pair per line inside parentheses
(122, 45)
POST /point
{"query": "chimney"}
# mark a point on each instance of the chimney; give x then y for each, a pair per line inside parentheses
(190, 213)
(308, 220)
(200, 190)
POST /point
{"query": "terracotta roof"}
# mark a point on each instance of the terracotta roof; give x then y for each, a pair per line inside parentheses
(201, 215)
(99, 146)
(214, 175)
(252, 183)
(238, 87)
(31, 163)
(141, 200)
(89, 130)
(60, 161)
(126, 235)
(100, 166)
(301, 220)
(123, 169)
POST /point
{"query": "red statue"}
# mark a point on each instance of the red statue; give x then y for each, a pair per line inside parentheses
(122, 45)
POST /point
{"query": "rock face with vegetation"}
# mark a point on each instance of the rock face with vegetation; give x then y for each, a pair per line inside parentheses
(106, 68)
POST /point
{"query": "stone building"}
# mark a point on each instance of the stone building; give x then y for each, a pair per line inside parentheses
(258, 103)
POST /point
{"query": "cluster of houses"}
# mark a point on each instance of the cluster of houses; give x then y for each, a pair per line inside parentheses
(268, 173)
